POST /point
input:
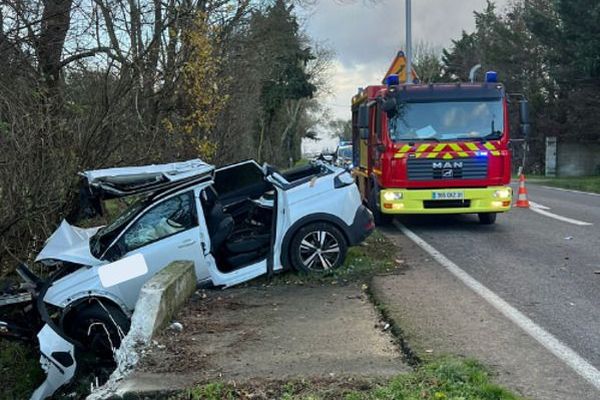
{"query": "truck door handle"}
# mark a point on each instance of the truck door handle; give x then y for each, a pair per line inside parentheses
(186, 243)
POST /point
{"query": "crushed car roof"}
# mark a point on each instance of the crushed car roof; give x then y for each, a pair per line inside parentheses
(130, 180)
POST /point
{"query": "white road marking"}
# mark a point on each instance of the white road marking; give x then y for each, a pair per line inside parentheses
(572, 191)
(538, 208)
(546, 339)
(537, 205)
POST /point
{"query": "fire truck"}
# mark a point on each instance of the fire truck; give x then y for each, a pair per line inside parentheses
(434, 148)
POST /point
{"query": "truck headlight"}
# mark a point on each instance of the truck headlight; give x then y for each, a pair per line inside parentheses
(502, 193)
(391, 196)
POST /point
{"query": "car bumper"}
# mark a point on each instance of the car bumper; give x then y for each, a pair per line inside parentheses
(493, 199)
(362, 226)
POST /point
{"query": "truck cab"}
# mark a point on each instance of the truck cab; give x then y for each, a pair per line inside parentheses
(433, 148)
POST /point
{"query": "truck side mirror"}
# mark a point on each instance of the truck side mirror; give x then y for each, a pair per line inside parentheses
(525, 130)
(524, 112)
(390, 106)
(524, 118)
(363, 117)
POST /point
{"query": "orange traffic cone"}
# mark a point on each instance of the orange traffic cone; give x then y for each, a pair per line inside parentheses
(522, 199)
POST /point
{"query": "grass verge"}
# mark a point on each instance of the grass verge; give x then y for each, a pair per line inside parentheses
(442, 379)
(371, 257)
(20, 370)
(584, 184)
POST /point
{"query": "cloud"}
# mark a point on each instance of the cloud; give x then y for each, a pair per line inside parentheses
(366, 37)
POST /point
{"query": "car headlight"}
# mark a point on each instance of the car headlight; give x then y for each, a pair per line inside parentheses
(502, 193)
(391, 196)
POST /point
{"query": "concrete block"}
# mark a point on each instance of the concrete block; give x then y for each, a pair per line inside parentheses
(160, 298)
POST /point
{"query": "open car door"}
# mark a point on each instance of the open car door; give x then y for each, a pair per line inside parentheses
(238, 186)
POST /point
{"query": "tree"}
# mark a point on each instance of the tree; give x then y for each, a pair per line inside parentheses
(341, 128)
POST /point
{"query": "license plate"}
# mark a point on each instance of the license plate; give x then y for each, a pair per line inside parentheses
(448, 195)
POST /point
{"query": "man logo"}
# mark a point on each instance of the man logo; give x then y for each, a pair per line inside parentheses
(447, 165)
(447, 173)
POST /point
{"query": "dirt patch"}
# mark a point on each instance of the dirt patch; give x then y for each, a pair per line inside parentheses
(279, 332)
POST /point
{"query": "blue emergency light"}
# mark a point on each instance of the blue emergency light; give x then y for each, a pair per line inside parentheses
(491, 77)
(392, 80)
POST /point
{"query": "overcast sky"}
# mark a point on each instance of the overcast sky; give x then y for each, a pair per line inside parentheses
(366, 37)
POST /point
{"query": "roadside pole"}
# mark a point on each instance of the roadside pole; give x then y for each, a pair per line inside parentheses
(408, 42)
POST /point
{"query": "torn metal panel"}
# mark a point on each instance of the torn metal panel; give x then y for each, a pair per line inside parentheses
(69, 243)
(57, 360)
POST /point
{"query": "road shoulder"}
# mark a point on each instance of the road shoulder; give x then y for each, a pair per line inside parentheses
(438, 315)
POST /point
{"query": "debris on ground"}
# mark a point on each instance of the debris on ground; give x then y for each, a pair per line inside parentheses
(176, 326)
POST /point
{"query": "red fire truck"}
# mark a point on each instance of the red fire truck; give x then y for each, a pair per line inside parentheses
(434, 148)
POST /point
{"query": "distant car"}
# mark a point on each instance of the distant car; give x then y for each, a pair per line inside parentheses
(343, 156)
(235, 223)
(329, 158)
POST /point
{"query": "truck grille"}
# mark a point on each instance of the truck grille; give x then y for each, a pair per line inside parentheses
(424, 169)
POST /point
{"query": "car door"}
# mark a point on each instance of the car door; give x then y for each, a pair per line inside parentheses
(167, 231)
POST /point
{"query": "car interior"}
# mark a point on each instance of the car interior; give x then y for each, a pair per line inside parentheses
(239, 209)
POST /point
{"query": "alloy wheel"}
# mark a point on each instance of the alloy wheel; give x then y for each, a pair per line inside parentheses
(319, 250)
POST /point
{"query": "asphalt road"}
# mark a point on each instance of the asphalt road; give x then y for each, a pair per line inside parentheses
(547, 268)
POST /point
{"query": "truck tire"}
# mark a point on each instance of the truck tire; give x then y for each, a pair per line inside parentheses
(318, 247)
(380, 218)
(487, 218)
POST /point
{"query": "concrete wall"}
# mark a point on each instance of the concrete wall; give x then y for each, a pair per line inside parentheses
(159, 300)
(578, 159)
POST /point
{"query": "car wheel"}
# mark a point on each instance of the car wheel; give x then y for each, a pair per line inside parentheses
(487, 218)
(318, 247)
(99, 327)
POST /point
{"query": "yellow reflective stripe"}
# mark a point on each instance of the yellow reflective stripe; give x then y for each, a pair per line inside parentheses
(439, 147)
(472, 146)
(495, 153)
(455, 147)
(405, 148)
(447, 156)
(418, 155)
(432, 155)
(422, 148)
(489, 146)
(399, 155)
(463, 154)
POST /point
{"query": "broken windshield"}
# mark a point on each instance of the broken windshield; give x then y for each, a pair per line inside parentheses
(105, 235)
(450, 120)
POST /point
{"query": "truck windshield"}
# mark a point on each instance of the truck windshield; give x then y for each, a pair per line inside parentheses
(452, 120)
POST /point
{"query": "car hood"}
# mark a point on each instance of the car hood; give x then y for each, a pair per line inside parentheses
(69, 243)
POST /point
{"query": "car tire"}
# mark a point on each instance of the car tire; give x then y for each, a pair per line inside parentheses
(487, 218)
(380, 218)
(317, 248)
(98, 327)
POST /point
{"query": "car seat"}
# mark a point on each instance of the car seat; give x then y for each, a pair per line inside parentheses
(219, 224)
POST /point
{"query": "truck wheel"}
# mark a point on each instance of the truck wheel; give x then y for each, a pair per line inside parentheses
(318, 247)
(380, 218)
(487, 218)
(98, 327)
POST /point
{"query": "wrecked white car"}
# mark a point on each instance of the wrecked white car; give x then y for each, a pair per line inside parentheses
(235, 223)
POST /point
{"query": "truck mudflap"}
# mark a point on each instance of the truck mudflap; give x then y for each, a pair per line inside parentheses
(57, 360)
